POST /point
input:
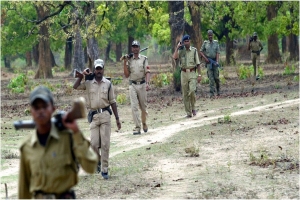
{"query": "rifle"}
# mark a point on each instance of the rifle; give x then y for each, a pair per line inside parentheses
(77, 111)
(131, 54)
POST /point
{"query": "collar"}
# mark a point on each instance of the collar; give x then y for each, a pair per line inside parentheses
(190, 48)
(139, 56)
(94, 80)
(53, 133)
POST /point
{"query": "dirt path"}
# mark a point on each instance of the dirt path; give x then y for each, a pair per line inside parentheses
(174, 172)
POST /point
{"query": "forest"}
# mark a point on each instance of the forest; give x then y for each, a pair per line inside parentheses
(81, 31)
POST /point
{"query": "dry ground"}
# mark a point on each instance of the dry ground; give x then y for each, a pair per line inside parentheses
(244, 144)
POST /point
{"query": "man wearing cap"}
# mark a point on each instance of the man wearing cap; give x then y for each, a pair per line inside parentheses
(255, 46)
(189, 62)
(136, 68)
(210, 51)
(100, 97)
(47, 156)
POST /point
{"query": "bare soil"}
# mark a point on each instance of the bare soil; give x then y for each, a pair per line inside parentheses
(243, 144)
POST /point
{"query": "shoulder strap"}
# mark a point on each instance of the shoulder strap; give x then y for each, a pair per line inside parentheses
(72, 152)
(108, 91)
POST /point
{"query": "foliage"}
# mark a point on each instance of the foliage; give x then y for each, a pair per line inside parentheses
(162, 79)
(17, 84)
(121, 98)
(289, 70)
(117, 80)
(177, 78)
(296, 78)
(30, 73)
(243, 72)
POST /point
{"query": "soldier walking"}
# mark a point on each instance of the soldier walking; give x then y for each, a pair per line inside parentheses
(189, 62)
(210, 51)
(136, 68)
(255, 46)
(100, 95)
(49, 156)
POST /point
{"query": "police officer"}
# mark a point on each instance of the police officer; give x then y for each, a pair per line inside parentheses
(189, 61)
(136, 68)
(100, 95)
(255, 46)
(47, 157)
(210, 51)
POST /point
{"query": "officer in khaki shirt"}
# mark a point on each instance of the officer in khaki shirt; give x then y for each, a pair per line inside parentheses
(100, 96)
(189, 62)
(210, 51)
(255, 46)
(47, 158)
(136, 68)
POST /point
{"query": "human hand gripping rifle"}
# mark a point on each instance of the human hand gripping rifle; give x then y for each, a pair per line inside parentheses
(131, 54)
(77, 111)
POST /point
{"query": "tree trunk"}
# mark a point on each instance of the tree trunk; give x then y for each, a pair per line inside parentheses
(118, 51)
(28, 59)
(7, 62)
(107, 52)
(177, 25)
(92, 44)
(130, 40)
(53, 63)
(229, 51)
(35, 54)
(293, 47)
(283, 44)
(78, 60)
(194, 30)
(44, 70)
(68, 53)
(273, 48)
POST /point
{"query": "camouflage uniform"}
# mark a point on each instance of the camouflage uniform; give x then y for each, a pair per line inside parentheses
(188, 59)
(210, 50)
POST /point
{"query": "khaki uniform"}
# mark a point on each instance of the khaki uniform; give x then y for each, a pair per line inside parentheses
(52, 168)
(255, 47)
(210, 50)
(100, 96)
(188, 60)
(138, 67)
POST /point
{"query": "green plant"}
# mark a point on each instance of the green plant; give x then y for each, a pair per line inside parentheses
(260, 72)
(289, 70)
(162, 79)
(17, 84)
(177, 79)
(30, 73)
(244, 72)
(296, 78)
(121, 98)
(117, 81)
(205, 80)
(227, 118)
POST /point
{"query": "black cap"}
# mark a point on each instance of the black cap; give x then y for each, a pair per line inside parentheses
(185, 37)
(41, 92)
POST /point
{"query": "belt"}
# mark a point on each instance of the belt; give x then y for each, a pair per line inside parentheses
(99, 110)
(188, 70)
(138, 82)
(70, 194)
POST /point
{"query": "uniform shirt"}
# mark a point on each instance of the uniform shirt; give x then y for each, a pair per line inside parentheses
(210, 49)
(255, 45)
(98, 95)
(188, 58)
(138, 67)
(51, 168)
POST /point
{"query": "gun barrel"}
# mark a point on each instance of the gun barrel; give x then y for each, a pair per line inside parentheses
(24, 124)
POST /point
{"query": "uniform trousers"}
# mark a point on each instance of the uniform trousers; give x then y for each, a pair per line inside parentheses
(100, 129)
(138, 99)
(188, 87)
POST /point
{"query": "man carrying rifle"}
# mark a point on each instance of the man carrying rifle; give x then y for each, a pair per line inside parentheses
(48, 157)
(255, 46)
(100, 96)
(136, 68)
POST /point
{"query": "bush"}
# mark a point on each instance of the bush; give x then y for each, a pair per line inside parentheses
(177, 79)
(17, 85)
(162, 79)
(289, 70)
(121, 98)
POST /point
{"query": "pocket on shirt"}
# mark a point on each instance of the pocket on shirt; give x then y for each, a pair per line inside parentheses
(92, 94)
(104, 93)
